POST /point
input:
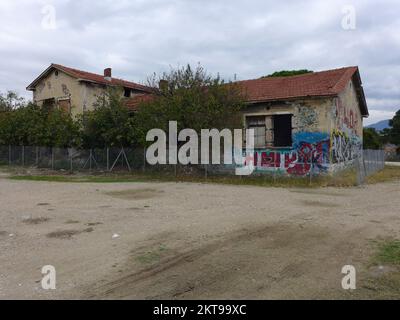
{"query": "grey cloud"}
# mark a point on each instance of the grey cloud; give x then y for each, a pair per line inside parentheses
(246, 38)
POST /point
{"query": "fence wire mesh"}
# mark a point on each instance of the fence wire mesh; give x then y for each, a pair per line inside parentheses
(134, 159)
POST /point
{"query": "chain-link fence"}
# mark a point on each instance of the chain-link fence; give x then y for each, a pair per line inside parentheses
(109, 159)
(371, 162)
(134, 159)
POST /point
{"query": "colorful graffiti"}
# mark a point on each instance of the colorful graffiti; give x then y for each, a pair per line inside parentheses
(345, 148)
(346, 140)
(346, 118)
(310, 153)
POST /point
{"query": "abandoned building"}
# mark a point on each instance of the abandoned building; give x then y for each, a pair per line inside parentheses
(305, 123)
(76, 91)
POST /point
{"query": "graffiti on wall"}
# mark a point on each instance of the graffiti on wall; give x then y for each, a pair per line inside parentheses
(310, 153)
(307, 118)
(346, 141)
(346, 118)
(345, 148)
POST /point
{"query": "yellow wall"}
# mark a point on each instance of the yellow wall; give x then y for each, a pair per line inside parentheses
(82, 95)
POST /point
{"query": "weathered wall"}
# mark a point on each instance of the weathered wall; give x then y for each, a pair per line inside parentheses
(82, 95)
(327, 135)
(89, 95)
(347, 129)
(62, 86)
(311, 138)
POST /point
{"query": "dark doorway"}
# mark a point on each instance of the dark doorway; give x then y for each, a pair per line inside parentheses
(49, 104)
(127, 93)
(283, 130)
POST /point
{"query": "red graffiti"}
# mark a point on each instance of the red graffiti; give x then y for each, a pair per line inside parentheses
(296, 162)
(346, 117)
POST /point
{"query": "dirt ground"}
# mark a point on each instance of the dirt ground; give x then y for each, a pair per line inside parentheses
(194, 241)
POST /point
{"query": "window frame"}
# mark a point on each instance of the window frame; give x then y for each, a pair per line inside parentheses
(290, 130)
(259, 125)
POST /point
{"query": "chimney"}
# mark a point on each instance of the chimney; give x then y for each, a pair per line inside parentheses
(107, 74)
(163, 85)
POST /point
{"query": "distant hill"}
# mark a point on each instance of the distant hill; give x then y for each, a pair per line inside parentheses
(379, 126)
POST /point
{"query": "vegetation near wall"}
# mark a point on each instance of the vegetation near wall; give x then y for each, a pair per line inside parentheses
(189, 96)
(288, 73)
(193, 98)
(372, 139)
(375, 140)
(31, 125)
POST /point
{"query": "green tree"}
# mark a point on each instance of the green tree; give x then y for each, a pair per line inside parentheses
(30, 125)
(193, 98)
(288, 73)
(10, 101)
(395, 129)
(371, 139)
(109, 124)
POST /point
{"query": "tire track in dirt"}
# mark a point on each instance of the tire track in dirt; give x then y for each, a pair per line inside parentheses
(187, 270)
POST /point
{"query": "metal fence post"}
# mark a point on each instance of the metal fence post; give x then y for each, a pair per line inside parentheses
(23, 156)
(71, 166)
(175, 169)
(90, 159)
(37, 156)
(52, 158)
(144, 159)
(108, 159)
(9, 155)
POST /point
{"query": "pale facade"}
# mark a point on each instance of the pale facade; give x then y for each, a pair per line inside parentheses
(76, 91)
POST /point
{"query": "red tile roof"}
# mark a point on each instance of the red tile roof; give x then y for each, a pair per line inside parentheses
(133, 103)
(317, 84)
(91, 77)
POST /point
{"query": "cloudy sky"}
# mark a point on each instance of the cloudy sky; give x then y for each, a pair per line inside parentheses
(248, 39)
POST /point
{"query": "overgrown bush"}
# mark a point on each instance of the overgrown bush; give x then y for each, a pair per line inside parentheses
(31, 125)
(193, 98)
(109, 124)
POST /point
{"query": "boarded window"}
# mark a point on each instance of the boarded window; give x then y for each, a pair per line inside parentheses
(49, 104)
(258, 124)
(283, 130)
(65, 105)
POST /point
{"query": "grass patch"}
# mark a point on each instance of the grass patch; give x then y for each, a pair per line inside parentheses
(67, 234)
(388, 253)
(311, 203)
(63, 234)
(390, 173)
(77, 179)
(383, 278)
(34, 221)
(135, 194)
(151, 256)
(347, 178)
(262, 181)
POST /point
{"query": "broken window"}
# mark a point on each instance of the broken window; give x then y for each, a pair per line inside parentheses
(127, 93)
(65, 105)
(283, 130)
(258, 124)
(49, 104)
